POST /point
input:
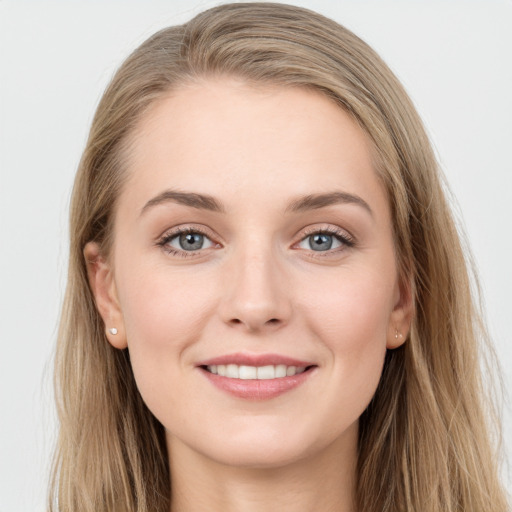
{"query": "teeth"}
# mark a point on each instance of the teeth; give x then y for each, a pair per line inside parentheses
(291, 370)
(266, 372)
(248, 372)
(233, 371)
(281, 370)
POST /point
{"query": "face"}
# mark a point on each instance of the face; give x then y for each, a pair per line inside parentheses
(253, 276)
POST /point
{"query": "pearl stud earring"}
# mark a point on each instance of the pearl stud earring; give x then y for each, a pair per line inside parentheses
(113, 331)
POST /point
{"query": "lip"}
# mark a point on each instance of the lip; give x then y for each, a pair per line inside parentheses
(255, 360)
(254, 389)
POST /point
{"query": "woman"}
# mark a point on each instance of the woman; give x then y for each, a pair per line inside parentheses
(268, 304)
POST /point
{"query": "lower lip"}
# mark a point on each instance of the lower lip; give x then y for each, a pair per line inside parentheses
(255, 389)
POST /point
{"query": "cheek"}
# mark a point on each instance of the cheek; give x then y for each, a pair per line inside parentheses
(163, 316)
(354, 307)
(161, 306)
(350, 315)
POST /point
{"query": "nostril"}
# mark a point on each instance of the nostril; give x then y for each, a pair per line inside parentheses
(271, 321)
(253, 324)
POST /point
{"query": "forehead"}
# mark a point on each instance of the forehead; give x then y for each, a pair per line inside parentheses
(227, 138)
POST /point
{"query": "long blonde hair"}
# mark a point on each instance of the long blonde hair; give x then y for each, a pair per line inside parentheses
(425, 442)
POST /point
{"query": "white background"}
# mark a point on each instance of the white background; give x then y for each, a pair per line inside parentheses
(455, 59)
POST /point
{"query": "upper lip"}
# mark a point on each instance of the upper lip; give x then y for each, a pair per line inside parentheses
(241, 359)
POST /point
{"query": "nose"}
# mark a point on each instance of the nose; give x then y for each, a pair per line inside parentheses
(256, 297)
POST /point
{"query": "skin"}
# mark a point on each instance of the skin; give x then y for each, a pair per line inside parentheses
(256, 287)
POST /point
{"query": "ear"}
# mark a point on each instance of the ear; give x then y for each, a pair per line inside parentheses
(101, 280)
(401, 316)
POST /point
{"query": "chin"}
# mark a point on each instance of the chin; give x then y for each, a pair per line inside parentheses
(266, 448)
(260, 456)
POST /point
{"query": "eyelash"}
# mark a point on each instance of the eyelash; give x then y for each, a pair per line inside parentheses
(180, 231)
(342, 236)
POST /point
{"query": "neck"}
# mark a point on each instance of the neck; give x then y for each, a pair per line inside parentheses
(325, 481)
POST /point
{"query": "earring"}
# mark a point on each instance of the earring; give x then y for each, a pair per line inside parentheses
(113, 331)
(398, 334)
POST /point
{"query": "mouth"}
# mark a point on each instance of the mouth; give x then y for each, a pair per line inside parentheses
(256, 377)
(245, 372)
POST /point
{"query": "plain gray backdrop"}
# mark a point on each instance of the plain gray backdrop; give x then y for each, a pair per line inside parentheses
(454, 58)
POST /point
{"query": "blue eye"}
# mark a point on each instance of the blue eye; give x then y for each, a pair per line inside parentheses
(323, 241)
(191, 241)
(320, 242)
(187, 241)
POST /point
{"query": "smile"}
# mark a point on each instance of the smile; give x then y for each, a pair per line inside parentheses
(243, 372)
(256, 376)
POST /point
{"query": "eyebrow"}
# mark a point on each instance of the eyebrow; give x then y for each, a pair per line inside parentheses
(316, 201)
(301, 204)
(199, 201)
